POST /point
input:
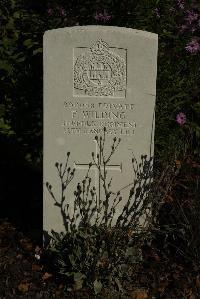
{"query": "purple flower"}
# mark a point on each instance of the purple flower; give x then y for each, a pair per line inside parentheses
(191, 16)
(62, 12)
(193, 46)
(193, 29)
(50, 11)
(180, 4)
(183, 28)
(157, 12)
(98, 17)
(181, 118)
(191, 24)
(107, 17)
(102, 16)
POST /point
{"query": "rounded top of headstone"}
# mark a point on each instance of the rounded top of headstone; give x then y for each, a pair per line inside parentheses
(145, 34)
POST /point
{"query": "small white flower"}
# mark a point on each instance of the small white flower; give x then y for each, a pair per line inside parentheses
(37, 256)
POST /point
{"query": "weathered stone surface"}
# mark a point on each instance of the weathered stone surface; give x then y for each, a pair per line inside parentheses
(96, 77)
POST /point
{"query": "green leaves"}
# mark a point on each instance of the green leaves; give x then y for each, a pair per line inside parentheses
(16, 15)
(28, 43)
(72, 260)
(95, 257)
(97, 286)
(134, 254)
(37, 51)
(5, 128)
(78, 279)
(6, 66)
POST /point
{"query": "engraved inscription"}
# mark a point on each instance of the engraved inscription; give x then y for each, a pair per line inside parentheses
(100, 71)
(92, 118)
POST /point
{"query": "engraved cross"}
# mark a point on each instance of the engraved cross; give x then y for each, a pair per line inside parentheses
(82, 166)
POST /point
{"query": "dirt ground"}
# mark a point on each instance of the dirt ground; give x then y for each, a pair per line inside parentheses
(24, 275)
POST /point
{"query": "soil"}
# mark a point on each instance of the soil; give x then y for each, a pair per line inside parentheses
(24, 274)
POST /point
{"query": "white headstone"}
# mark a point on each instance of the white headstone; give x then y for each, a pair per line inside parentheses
(96, 77)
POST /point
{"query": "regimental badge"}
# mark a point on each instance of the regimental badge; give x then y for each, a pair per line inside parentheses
(100, 71)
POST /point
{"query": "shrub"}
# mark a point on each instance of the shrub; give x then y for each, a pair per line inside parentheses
(94, 252)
